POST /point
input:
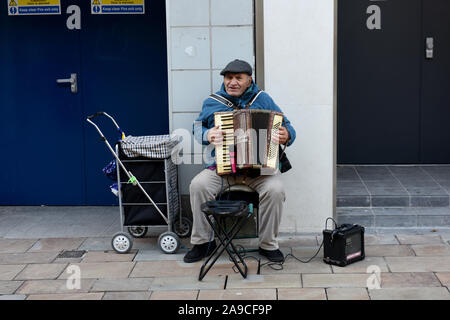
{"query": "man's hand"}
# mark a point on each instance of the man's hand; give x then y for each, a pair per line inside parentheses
(280, 137)
(215, 136)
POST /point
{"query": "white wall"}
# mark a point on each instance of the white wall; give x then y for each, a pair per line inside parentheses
(299, 65)
(203, 36)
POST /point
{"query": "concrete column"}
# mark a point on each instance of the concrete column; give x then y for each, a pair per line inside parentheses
(299, 73)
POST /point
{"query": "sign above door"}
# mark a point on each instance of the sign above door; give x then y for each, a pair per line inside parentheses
(33, 7)
(117, 7)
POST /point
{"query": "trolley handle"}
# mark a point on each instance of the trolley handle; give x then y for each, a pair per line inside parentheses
(92, 116)
(102, 113)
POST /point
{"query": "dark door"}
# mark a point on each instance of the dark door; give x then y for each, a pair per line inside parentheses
(50, 154)
(379, 58)
(435, 98)
(41, 135)
(125, 74)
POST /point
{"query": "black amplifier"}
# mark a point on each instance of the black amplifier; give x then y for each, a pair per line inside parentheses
(343, 245)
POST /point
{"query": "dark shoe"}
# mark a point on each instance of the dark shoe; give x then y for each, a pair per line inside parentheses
(272, 255)
(199, 251)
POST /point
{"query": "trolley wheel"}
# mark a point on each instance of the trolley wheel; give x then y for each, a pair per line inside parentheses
(182, 227)
(169, 242)
(138, 232)
(122, 242)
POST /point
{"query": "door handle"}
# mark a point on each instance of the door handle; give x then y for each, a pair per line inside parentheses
(72, 80)
(429, 47)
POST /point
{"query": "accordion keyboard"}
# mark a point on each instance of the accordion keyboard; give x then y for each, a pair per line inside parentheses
(223, 159)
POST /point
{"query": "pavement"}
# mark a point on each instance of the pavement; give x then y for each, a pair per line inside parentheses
(61, 253)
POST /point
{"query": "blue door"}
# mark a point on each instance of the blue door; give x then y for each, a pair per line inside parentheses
(125, 74)
(41, 129)
(50, 154)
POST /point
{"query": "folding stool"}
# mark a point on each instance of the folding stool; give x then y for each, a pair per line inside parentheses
(220, 211)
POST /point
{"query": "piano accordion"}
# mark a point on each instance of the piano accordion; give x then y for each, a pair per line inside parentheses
(247, 140)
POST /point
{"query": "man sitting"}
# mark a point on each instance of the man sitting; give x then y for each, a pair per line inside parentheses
(239, 88)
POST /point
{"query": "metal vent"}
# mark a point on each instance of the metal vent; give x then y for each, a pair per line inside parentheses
(72, 254)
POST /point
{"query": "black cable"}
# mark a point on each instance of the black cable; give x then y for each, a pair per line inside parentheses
(276, 265)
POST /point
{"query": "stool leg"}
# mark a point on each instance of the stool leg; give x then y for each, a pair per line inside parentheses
(230, 236)
(222, 235)
(203, 274)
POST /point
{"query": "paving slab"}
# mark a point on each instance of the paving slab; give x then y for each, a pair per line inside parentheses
(388, 250)
(431, 250)
(421, 293)
(158, 255)
(100, 270)
(419, 239)
(254, 281)
(292, 266)
(59, 228)
(13, 297)
(126, 295)
(302, 294)
(379, 239)
(16, 245)
(175, 295)
(9, 287)
(295, 241)
(41, 271)
(446, 237)
(165, 269)
(53, 286)
(28, 257)
(179, 269)
(335, 280)
(67, 296)
(238, 294)
(402, 231)
(347, 294)
(146, 244)
(67, 260)
(409, 279)
(96, 244)
(363, 266)
(306, 252)
(188, 283)
(56, 244)
(228, 268)
(9, 271)
(108, 256)
(444, 278)
(126, 284)
(419, 264)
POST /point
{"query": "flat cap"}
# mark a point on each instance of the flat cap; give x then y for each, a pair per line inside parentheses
(237, 66)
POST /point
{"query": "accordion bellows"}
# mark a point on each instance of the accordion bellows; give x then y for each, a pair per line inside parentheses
(154, 147)
(248, 134)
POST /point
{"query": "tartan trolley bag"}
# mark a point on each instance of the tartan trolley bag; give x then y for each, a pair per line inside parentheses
(147, 181)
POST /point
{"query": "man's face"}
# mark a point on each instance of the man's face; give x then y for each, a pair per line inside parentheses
(236, 83)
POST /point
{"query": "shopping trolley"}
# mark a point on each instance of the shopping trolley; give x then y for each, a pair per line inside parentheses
(144, 168)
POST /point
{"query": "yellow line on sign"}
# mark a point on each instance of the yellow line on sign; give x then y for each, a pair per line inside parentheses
(27, 3)
(119, 2)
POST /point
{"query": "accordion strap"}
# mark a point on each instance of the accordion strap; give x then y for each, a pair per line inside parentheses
(230, 104)
(223, 100)
(255, 96)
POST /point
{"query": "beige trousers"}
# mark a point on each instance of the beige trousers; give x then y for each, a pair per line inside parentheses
(206, 186)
